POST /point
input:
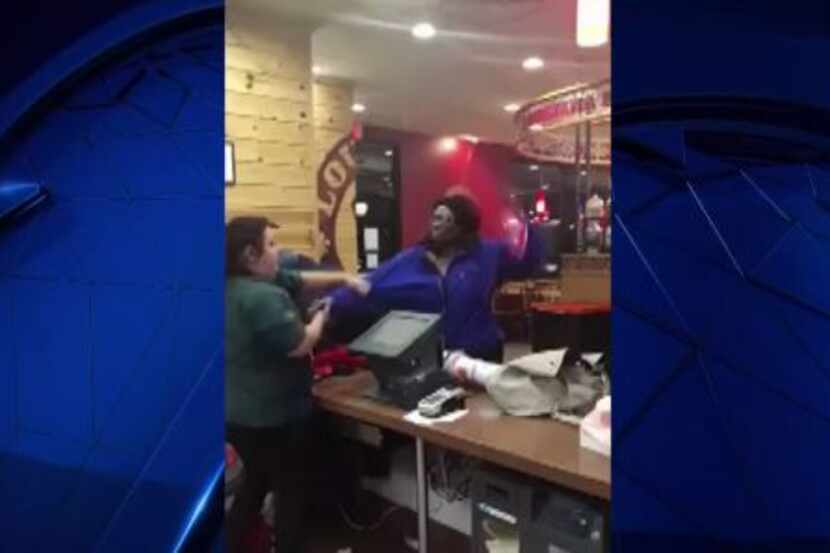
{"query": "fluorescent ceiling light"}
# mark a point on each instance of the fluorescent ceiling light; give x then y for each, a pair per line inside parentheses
(592, 18)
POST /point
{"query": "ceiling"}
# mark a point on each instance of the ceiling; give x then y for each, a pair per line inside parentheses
(455, 83)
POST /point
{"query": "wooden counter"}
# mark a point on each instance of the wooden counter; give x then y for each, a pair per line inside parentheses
(540, 447)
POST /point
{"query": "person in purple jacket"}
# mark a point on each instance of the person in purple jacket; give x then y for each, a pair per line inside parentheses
(452, 272)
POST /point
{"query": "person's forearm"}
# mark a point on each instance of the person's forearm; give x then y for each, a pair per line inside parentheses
(322, 280)
(313, 332)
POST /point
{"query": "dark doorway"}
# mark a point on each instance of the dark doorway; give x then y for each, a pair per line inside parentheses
(377, 205)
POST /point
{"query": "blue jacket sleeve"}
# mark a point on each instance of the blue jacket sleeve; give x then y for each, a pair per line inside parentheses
(512, 267)
(345, 303)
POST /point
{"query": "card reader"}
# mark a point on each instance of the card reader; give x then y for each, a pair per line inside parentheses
(442, 401)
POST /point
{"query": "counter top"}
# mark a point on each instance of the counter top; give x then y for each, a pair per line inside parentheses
(541, 447)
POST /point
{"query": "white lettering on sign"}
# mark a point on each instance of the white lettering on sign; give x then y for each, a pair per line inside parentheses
(328, 203)
(334, 177)
(568, 108)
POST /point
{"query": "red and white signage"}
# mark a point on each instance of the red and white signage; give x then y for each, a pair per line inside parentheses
(541, 122)
(568, 107)
(562, 149)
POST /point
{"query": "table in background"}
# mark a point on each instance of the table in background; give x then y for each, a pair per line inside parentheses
(585, 326)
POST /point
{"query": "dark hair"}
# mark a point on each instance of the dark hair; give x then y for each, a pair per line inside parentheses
(240, 233)
(465, 214)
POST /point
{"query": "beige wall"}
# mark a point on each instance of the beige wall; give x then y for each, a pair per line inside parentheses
(282, 124)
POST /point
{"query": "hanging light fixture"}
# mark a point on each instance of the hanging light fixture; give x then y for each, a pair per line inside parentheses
(592, 20)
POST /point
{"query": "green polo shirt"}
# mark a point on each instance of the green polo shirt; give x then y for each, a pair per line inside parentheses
(263, 386)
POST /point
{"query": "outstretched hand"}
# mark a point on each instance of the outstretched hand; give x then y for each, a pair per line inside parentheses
(322, 306)
(359, 285)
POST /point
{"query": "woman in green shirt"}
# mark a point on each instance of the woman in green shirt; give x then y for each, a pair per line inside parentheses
(268, 376)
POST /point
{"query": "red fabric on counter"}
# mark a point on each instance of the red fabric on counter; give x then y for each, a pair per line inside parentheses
(336, 360)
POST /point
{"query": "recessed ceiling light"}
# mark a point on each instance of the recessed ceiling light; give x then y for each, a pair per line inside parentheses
(534, 167)
(448, 144)
(533, 63)
(423, 31)
(511, 108)
(358, 107)
(536, 127)
(388, 153)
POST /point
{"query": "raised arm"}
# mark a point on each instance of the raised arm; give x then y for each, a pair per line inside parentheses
(518, 265)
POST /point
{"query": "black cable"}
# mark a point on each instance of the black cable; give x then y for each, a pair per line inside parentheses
(369, 527)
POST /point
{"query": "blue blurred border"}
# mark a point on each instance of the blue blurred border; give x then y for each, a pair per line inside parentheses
(94, 43)
(47, 482)
(721, 279)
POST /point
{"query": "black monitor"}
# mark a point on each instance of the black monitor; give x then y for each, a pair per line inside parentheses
(404, 352)
(16, 198)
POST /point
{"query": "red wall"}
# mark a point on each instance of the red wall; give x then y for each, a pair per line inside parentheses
(427, 173)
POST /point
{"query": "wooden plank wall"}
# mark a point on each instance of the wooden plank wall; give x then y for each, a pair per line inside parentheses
(282, 125)
(332, 102)
(268, 116)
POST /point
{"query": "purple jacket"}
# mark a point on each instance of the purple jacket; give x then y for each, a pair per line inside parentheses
(410, 281)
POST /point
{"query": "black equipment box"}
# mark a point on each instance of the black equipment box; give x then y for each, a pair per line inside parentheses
(512, 512)
(404, 352)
